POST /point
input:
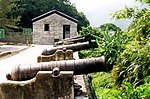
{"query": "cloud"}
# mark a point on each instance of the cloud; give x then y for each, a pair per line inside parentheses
(98, 11)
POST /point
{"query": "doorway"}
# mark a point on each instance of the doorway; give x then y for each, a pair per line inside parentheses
(66, 31)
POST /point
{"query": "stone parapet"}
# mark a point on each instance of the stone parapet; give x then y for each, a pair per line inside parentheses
(57, 56)
(44, 86)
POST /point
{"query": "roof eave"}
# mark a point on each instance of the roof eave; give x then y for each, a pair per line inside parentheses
(52, 12)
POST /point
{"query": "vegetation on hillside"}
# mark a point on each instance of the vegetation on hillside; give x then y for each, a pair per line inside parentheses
(127, 54)
(7, 21)
(21, 12)
(133, 64)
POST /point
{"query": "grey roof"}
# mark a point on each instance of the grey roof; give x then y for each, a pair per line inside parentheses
(52, 12)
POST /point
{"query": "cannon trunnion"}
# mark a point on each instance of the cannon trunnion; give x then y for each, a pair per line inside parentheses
(80, 66)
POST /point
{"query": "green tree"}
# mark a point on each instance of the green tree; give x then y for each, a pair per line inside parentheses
(29, 9)
(109, 27)
(144, 1)
(6, 20)
(91, 34)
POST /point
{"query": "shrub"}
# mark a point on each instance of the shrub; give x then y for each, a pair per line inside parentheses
(133, 64)
(112, 46)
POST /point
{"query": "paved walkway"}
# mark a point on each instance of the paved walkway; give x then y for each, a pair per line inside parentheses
(25, 57)
(8, 48)
(79, 78)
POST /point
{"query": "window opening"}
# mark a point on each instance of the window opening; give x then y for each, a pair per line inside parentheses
(46, 27)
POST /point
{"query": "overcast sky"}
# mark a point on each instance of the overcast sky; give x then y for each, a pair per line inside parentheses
(98, 11)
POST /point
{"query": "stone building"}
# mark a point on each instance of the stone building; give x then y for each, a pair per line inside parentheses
(51, 25)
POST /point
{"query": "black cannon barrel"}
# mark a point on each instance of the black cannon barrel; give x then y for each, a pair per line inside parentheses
(76, 40)
(80, 66)
(75, 37)
(74, 47)
(59, 43)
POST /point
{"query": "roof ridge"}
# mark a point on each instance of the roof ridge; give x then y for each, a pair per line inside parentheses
(52, 12)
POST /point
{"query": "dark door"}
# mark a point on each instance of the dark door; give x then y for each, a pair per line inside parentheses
(66, 31)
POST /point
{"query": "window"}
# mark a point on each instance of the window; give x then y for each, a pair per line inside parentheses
(46, 27)
(66, 31)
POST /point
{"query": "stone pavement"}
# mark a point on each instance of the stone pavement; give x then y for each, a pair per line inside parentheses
(25, 57)
(8, 48)
(80, 80)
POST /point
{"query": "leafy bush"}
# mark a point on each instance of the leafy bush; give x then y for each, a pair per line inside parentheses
(129, 92)
(101, 79)
(90, 35)
(102, 84)
(112, 46)
(133, 64)
(89, 53)
(129, 54)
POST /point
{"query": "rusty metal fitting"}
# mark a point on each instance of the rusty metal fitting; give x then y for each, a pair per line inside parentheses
(56, 71)
(64, 49)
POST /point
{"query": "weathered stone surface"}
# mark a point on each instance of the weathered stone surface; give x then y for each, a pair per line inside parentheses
(15, 37)
(56, 23)
(57, 56)
(44, 86)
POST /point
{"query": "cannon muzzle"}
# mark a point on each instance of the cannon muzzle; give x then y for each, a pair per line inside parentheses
(74, 47)
(80, 66)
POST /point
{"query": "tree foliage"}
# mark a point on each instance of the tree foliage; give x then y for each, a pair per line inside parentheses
(127, 92)
(144, 1)
(109, 27)
(112, 46)
(109, 45)
(133, 65)
(6, 20)
(29, 9)
(131, 50)
(91, 34)
(139, 27)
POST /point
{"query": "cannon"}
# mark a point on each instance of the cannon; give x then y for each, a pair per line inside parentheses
(74, 47)
(69, 40)
(75, 37)
(80, 66)
(76, 40)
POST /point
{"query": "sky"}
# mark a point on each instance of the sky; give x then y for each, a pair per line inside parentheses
(98, 11)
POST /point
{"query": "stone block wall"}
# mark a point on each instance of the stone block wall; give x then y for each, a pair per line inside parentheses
(44, 86)
(17, 38)
(56, 23)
